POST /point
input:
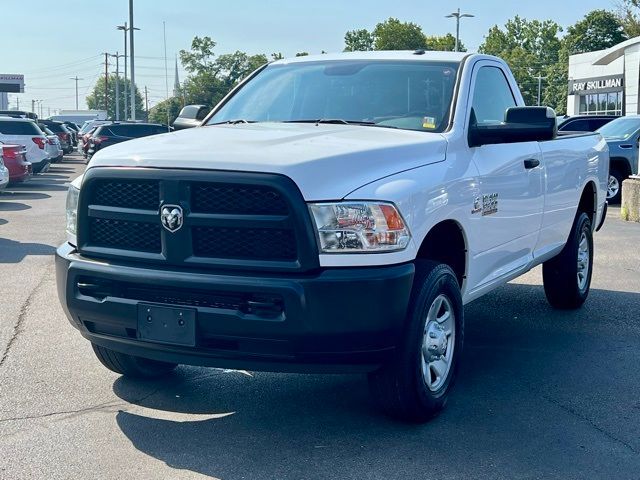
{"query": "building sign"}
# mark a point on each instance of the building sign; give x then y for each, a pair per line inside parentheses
(613, 83)
(11, 83)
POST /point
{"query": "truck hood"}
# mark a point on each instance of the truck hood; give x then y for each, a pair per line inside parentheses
(327, 162)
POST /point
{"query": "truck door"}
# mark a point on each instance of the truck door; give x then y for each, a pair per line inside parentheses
(508, 214)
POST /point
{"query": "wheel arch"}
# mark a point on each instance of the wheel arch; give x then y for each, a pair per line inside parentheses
(446, 242)
(621, 163)
(589, 201)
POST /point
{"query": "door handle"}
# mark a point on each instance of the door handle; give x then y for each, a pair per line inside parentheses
(531, 163)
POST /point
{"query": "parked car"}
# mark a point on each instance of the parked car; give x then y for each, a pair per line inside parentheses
(4, 172)
(85, 142)
(62, 132)
(191, 116)
(584, 123)
(53, 146)
(23, 131)
(18, 114)
(338, 224)
(623, 137)
(15, 159)
(107, 135)
(73, 129)
(87, 128)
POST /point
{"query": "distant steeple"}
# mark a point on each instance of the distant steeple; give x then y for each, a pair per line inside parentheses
(176, 82)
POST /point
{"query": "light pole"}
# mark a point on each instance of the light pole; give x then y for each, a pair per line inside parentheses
(133, 72)
(457, 15)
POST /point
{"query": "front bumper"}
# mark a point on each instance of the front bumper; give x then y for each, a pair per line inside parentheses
(334, 320)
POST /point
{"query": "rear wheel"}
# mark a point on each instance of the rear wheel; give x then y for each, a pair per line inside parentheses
(131, 366)
(567, 277)
(415, 384)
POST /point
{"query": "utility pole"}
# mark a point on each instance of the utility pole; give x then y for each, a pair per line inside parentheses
(17, 103)
(33, 106)
(146, 102)
(133, 72)
(457, 15)
(166, 74)
(106, 82)
(76, 79)
(540, 78)
(118, 86)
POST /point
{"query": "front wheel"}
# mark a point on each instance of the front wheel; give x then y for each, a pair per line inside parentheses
(567, 277)
(130, 366)
(614, 187)
(415, 384)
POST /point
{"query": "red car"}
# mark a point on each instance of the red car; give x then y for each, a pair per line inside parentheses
(15, 159)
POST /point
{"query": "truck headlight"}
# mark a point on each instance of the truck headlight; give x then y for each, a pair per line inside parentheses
(72, 214)
(359, 227)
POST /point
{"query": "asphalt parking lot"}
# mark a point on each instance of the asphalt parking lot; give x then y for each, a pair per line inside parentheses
(542, 393)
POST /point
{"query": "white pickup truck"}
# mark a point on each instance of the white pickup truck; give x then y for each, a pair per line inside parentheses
(332, 214)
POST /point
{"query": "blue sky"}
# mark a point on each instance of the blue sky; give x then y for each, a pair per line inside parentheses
(50, 42)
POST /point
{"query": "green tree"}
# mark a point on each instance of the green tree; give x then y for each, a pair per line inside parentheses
(358, 40)
(277, 56)
(158, 113)
(210, 79)
(302, 54)
(200, 58)
(446, 43)
(599, 29)
(628, 14)
(95, 100)
(531, 48)
(393, 34)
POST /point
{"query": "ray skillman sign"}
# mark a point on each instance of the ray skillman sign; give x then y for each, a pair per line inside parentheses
(613, 83)
(11, 83)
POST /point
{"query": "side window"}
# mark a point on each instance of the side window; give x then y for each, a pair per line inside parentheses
(492, 96)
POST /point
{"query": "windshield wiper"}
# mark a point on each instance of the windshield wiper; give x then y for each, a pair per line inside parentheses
(233, 122)
(340, 121)
(335, 121)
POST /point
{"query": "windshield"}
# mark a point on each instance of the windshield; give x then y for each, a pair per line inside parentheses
(408, 95)
(620, 129)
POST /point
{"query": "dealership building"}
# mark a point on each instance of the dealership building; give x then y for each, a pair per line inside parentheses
(605, 82)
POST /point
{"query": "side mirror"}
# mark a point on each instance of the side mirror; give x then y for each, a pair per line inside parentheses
(521, 124)
(190, 116)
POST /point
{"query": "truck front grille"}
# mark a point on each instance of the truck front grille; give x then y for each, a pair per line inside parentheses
(278, 244)
(230, 220)
(122, 234)
(130, 194)
(237, 199)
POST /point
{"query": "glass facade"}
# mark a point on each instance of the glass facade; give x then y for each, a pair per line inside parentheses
(601, 103)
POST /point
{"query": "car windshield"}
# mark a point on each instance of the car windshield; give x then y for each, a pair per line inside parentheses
(409, 95)
(620, 129)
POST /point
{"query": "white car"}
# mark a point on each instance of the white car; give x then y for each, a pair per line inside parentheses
(22, 131)
(332, 214)
(53, 146)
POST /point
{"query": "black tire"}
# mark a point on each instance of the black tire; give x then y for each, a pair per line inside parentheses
(562, 286)
(130, 366)
(399, 387)
(619, 177)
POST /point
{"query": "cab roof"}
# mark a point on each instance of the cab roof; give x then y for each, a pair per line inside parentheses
(411, 55)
